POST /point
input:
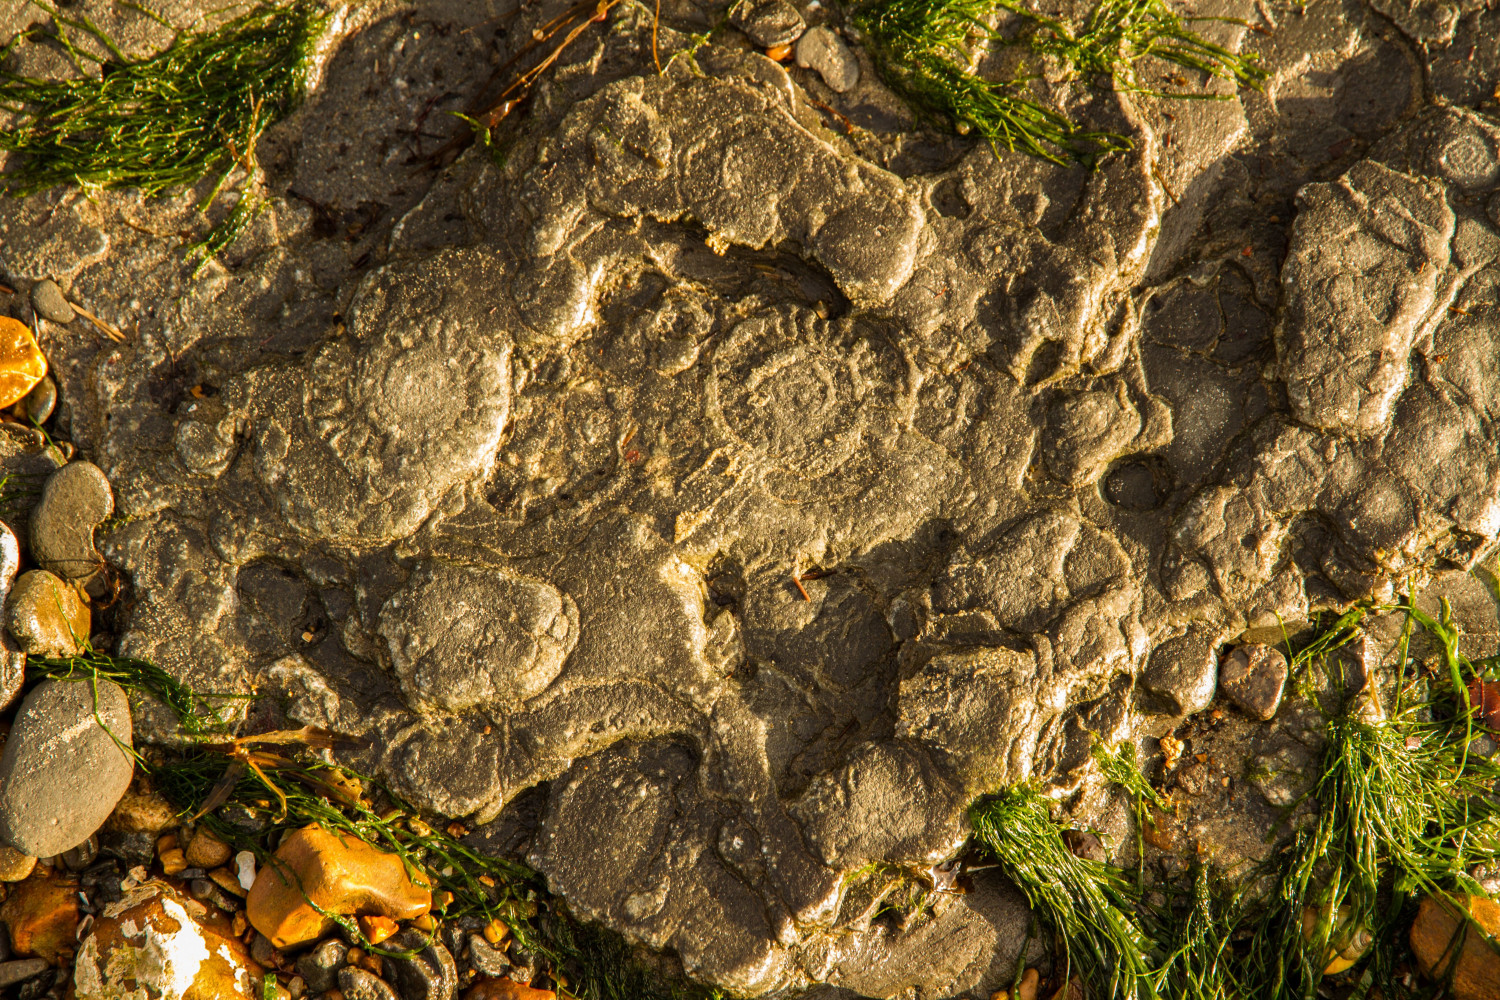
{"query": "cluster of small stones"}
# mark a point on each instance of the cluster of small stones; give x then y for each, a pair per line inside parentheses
(710, 488)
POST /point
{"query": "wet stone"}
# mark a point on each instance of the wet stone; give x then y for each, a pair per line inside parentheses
(15, 866)
(320, 966)
(61, 772)
(75, 501)
(822, 50)
(22, 365)
(46, 615)
(357, 984)
(486, 959)
(37, 405)
(428, 974)
(48, 298)
(12, 973)
(506, 989)
(342, 875)
(1253, 677)
(41, 916)
(1435, 938)
(768, 22)
(155, 944)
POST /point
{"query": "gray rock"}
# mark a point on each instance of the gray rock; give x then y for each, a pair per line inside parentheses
(320, 966)
(75, 501)
(821, 49)
(428, 974)
(1253, 676)
(48, 298)
(788, 478)
(21, 970)
(357, 984)
(46, 615)
(485, 959)
(1183, 672)
(61, 772)
(768, 22)
(37, 405)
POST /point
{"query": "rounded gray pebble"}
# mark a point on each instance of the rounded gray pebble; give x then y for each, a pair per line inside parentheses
(822, 50)
(75, 501)
(50, 302)
(38, 404)
(61, 772)
(357, 984)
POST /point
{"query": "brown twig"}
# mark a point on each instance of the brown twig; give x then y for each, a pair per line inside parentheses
(109, 330)
(656, 52)
(801, 589)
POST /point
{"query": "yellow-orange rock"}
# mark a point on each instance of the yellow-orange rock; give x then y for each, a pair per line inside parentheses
(206, 850)
(1476, 963)
(505, 989)
(158, 945)
(14, 866)
(41, 914)
(21, 362)
(343, 875)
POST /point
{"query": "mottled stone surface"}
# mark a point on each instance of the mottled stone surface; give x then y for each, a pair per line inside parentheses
(713, 500)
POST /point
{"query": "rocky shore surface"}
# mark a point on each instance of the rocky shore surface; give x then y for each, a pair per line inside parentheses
(707, 490)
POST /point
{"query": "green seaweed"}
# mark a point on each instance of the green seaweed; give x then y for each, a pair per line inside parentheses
(926, 50)
(162, 122)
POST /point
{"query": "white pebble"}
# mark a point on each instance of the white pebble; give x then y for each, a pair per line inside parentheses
(245, 863)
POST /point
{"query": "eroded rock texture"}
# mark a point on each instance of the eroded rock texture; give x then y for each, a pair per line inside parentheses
(715, 501)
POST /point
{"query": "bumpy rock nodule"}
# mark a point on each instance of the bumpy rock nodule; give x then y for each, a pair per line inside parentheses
(766, 493)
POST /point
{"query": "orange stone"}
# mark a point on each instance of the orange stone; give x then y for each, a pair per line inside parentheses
(14, 866)
(21, 362)
(206, 850)
(42, 916)
(506, 989)
(378, 929)
(1475, 962)
(156, 944)
(341, 874)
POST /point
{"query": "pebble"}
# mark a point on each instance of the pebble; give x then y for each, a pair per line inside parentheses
(14, 866)
(46, 615)
(205, 850)
(485, 959)
(21, 970)
(154, 930)
(1030, 981)
(428, 974)
(357, 984)
(320, 966)
(822, 50)
(75, 501)
(769, 23)
(1476, 973)
(141, 810)
(341, 875)
(1254, 677)
(61, 772)
(244, 864)
(21, 362)
(48, 298)
(38, 404)
(41, 915)
(506, 989)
